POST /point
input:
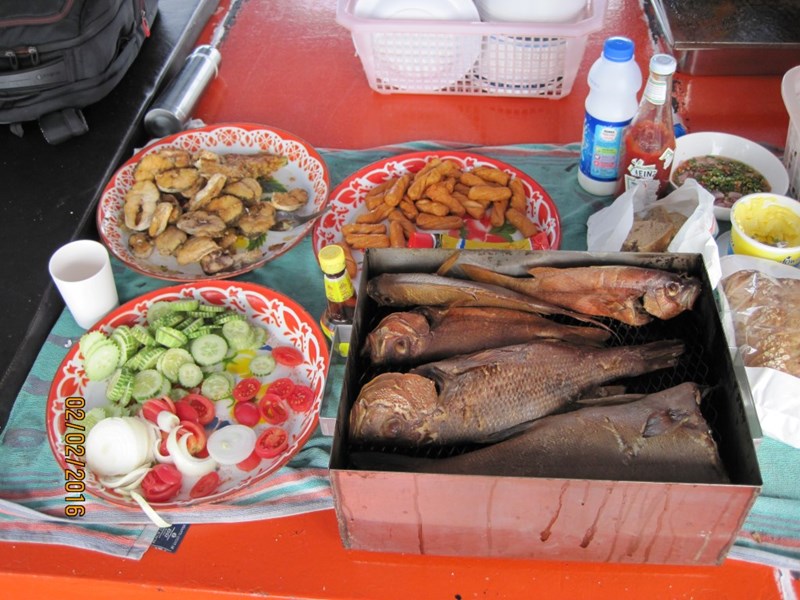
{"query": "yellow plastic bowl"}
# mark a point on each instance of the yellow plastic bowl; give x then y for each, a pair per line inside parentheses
(759, 222)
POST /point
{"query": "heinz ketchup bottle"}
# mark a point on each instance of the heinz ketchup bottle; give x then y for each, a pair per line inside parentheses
(649, 143)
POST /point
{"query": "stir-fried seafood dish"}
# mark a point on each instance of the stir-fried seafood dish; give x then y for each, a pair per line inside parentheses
(207, 208)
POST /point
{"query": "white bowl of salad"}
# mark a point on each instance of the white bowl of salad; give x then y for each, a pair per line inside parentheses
(188, 394)
(728, 166)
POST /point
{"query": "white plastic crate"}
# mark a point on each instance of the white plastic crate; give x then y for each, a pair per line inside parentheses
(530, 60)
(790, 90)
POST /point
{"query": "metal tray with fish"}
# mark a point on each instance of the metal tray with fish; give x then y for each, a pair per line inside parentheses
(518, 497)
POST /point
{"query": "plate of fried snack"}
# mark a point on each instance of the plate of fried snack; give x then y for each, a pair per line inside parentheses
(438, 199)
(212, 202)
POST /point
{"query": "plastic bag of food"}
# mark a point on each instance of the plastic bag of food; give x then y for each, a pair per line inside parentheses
(636, 221)
(759, 304)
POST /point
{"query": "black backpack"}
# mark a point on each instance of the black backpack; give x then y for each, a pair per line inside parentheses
(57, 56)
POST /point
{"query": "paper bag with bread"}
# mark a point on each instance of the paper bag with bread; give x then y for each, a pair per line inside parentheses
(637, 221)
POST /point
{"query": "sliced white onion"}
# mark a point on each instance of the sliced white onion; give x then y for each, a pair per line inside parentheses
(189, 465)
(126, 482)
(162, 458)
(167, 421)
(231, 444)
(118, 445)
(149, 511)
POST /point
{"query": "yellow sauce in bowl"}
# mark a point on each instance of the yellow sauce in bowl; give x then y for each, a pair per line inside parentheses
(769, 223)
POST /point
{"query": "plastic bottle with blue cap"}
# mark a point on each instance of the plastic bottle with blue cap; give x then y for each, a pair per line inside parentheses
(614, 82)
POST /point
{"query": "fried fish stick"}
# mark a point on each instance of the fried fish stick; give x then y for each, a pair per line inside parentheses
(363, 228)
(498, 216)
(381, 187)
(461, 188)
(519, 220)
(428, 221)
(349, 260)
(438, 192)
(469, 179)
(362, 241)
(518, 200)
(376, 215)
(489, 192)
(432, 207)
(374, 201)
(473, 208)
(396, 192)
(397, 238)
(492, 174)
(407, 225)
(408, 208)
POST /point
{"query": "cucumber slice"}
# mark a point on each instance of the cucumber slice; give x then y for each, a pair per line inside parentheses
(216, 387)
(177, 393)
(211, 308)
(171, 337)
(184, 305)
(128, 344)
(102, 361)
(260, 336)
(238, 334)
(147, 384)
(208, 349)
(190, 375)
(228, 316)
(172, 360)
(88, 340)
(192, 324)
(158, 310)
(92, 417)
(169, 320)
(200, 332)
(262, 365)
(118, 385)
(147, 358)
(140, 333)
(166, 386)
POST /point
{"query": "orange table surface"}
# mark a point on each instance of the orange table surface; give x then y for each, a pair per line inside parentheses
(290, 65)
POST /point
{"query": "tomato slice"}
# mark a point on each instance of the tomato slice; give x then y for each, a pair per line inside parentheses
(301, 398)
(151, 408)
(272, 442)
(196, 443)
(281, 387)
(161, 483)
(288, 356)
(272, 409)
(249, 463)
(246, 413)
(204, 407)
(205, 486)
(186, 412)
(246, 389)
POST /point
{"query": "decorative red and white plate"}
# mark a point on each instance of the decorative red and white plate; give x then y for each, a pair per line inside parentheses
(305, 169)
(347, 201)
(286, 324)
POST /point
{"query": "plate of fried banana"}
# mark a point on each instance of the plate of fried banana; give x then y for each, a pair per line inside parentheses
(212, 202)
(438, 198)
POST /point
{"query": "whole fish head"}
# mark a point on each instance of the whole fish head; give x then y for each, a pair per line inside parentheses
(396, 408)
(398, 338)
(672, 297)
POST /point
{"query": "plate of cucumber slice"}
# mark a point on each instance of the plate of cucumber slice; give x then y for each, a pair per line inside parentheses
(178, 367)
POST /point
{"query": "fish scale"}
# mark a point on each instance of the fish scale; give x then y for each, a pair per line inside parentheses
(481, 395)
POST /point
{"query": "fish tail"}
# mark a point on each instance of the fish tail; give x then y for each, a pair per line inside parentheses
(660, 355)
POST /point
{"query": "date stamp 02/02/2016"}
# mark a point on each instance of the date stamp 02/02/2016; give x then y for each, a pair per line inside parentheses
(74, 450)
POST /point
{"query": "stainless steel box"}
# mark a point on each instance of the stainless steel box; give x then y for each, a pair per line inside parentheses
(556, 519)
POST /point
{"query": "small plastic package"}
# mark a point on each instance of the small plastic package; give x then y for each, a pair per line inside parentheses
(609, 227)
(758, 304)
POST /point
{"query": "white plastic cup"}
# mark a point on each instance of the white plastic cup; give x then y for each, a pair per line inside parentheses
(82, 273)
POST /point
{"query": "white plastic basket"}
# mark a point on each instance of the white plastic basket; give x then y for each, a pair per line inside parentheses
(531, 60)
(790, 89)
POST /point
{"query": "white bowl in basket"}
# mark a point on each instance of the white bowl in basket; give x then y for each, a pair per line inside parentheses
(531, 11)
(714, 143)
(419, 61)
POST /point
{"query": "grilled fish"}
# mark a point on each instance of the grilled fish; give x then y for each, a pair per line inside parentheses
(632, 295)
(428, 333)
(476, 397)
(425, 289)
(661, 437)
